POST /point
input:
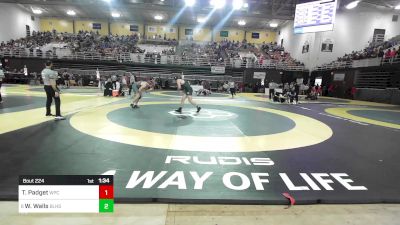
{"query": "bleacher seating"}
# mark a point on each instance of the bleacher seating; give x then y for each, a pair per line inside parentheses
(387, 52)
(92, 46)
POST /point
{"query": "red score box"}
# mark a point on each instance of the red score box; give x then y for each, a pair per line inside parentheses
(106, 192)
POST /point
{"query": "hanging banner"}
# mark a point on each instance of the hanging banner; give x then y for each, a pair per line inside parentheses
(327, 45)
(259, 75)
(306, 47)
(338, 77)
(151, 29)
(169, 30)
(218, 69)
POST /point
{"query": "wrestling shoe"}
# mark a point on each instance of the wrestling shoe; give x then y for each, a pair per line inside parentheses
(198, 109)
(179, 110)
(59, 118)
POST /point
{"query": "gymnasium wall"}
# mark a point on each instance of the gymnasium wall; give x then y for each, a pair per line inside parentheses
(157, 29)
(123, 28)
(173, 32)
(13, 21)
(233, 34)
(202, 34)
(60, 25)
(353, 30)
(264, 36)
(87, 25)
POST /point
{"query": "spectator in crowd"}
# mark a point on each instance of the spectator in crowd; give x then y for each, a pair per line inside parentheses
(312, 94)
(392, 54)
(80, 79)
(272, 85)
(353, 92)
(232, 88)
(296, 92)
(66, 79)
(388, 54)
(108, 87)
(331, 89)
(132, 82)
(114, 81)
(124, 82)
(381, 53)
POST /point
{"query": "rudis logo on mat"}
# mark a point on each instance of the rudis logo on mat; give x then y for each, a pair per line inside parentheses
(234, 180)
(219, 160)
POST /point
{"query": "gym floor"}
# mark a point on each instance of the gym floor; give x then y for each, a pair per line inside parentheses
(249, 150)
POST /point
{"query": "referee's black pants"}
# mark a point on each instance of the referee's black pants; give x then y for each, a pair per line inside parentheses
(1, 99)
(271, 93)
(50, 93)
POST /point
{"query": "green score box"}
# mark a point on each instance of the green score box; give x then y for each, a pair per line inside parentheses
(106, 205)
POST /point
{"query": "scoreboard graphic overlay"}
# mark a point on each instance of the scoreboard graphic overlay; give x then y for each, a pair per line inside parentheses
(66, 194)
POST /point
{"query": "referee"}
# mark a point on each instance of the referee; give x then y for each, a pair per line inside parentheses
(1, 81)
(49, 77)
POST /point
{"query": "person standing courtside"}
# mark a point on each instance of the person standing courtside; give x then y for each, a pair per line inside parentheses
(49, 77)
(1, 81)
(232, 88)
(132, 84)
(271, 86)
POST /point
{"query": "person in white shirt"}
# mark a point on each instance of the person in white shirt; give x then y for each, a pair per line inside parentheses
(132, 84)
(124, 83)
(271, 87)
(1, 81)
(232, 88)
(114, 80)
(118, 87)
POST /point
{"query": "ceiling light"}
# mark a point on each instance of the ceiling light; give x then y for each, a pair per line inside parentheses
(158, 17)
(37, 11)
(108, 1)
(218, 4)
(237, 4)
(242, 22)
(352, 5)
(190, 2)
(115, 14)
(246, 5)
(397, 7)
(71, 12)
(273, 25)
(201, 20)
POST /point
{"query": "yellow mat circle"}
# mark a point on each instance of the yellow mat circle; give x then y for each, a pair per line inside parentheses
(306, 132)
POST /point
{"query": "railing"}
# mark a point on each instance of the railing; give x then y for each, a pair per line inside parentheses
(158, 42)
(359, 63)
(335, 65)
(199, 61)
(391, 60)
(188, 76)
